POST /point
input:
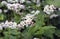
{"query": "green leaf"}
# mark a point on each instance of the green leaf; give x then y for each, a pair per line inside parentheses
(17, 17)
(2, 17)
(49, 31)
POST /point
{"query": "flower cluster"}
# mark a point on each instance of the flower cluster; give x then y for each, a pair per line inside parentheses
(49, 9)
(13, 6)
(8, 24)
(26, 21)
(18, 17)
(17, 5)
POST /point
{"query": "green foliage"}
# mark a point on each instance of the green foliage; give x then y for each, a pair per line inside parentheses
(17, 17)
(11, 34)
(39, 31)
(2, 17)
(54, 2)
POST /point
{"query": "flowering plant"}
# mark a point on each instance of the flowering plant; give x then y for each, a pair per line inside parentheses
(29, 19)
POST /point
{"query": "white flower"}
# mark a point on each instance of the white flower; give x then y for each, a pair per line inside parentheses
(28, 21)
(53, 15)
(22, 7)
(52, 7)
(5, 11)
(16, 7)
(0, 10)
(33, 11)
(36, 38)
(37, 12)
(22, 23)
(38, 3)
(59, 9)
(2, 24)
(14, 26)
(22, 1)
(15, 23)
(9, 0)
(3, 2)
(25, 22)
(28, 2)
(19, 26)
(27, 16)
(1, 27)
(9, 6)
(49, 9)
(48, 12)
(46, 8)
(6, 24)
(12, 1)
